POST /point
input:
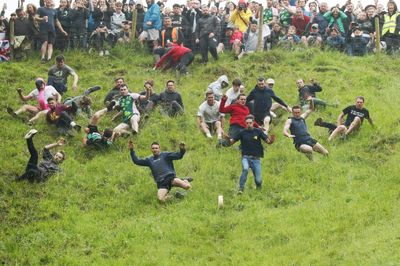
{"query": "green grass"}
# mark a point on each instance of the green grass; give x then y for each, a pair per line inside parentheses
(102, 209)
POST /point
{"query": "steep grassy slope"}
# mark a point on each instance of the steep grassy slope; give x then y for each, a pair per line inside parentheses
(103, 210)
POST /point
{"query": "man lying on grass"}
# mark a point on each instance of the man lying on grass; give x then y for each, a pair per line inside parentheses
(36, 171)
(162, 169)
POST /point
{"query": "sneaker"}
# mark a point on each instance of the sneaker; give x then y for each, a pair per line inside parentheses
(94, 88)
(101, 53)
(318, 122)
(240, 192)
(179, 195)
(106, 53)
(90, 50)
(43, 61)
(11, 112)
(30, 133)
(77, 128)
(110, 106)
(189, 179)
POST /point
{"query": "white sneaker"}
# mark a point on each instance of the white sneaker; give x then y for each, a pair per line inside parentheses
(30, 133)
(106, 52)
(101, 53)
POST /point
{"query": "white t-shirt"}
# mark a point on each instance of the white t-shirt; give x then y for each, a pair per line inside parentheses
(210, 114)
(232, 96)
(48, 92)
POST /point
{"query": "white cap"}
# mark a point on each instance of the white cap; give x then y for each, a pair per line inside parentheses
(270, 81)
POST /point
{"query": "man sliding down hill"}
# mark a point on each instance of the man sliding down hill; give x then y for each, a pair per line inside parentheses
(36, 171)
(94, 137)
(162, 169)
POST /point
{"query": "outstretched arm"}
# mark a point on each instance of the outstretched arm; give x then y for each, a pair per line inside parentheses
(75, 82)
(22, 96)
(136, 160)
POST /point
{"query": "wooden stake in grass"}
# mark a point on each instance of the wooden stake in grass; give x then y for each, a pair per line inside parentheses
(133, 28)
(378, 36)
(260, 46)
(12, 39)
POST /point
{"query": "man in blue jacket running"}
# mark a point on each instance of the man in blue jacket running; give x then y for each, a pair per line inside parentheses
(162, 169)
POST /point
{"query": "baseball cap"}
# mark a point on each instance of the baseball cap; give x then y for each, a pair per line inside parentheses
(270, 81)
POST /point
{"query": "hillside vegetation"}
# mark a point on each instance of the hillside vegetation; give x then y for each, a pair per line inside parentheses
(102, 209)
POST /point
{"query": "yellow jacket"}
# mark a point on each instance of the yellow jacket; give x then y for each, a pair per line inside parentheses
(241, 19)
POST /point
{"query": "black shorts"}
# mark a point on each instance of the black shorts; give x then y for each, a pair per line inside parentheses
(166, 183)
(93, 129)
(48, 36)
(308, 141)
(259, 118)
(211, 127)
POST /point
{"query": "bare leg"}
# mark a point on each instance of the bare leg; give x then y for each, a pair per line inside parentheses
(37, 116)
(27, 108)
(163, 195)
(354, 125)
(205, 130)
(320, 149)
(43, 49)
(267, 119)
(338, 130)
(307, 150)
(220, 130)
(177, 182)
(49, 51)
(96, 117)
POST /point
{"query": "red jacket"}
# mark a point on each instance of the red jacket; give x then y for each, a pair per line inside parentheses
(174, 55)
(237, 111)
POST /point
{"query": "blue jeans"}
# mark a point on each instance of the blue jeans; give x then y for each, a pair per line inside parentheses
(255, 165)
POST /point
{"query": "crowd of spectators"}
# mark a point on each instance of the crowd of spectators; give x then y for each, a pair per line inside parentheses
(214, 26)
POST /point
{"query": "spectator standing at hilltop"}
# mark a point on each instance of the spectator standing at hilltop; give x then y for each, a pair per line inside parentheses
(48, 18)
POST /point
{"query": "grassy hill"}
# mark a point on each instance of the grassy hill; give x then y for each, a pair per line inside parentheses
(103, 210)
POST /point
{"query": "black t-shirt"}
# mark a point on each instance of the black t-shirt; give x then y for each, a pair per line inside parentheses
(351, 112)
(250, 140)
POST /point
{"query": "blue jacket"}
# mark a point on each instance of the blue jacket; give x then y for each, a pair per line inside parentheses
(160, 166)
(153, 15)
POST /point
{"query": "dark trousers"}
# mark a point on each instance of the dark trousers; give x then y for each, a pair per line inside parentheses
(173, 109)
(184, 62)
(331, 127)
(205, 47)
(32, 172)
(64, 121)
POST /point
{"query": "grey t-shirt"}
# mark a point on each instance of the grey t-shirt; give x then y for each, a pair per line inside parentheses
(60, 74)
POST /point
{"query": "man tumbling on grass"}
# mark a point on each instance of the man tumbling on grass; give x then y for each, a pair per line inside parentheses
(36, 171)
(162, 169)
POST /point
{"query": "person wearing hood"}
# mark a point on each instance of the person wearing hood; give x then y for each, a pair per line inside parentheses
(218, 86)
